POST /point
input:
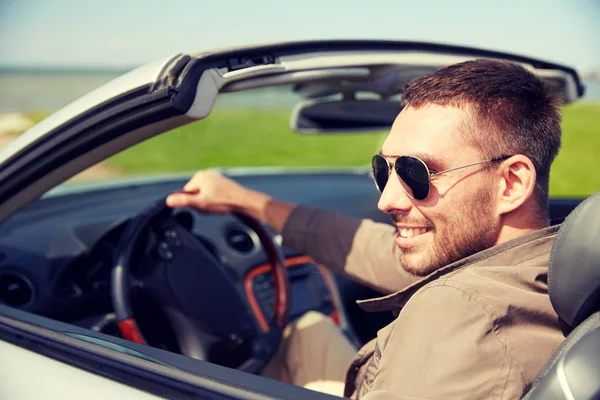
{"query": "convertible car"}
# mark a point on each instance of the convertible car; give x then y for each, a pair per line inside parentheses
(104, 291)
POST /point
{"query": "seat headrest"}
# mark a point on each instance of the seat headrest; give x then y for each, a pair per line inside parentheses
(574, 271)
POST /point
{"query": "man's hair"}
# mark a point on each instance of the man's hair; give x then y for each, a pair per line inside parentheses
(512, 111)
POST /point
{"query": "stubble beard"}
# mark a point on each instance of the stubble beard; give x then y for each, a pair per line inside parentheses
(469, 230)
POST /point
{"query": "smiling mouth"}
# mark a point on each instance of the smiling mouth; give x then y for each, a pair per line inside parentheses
(411, 232)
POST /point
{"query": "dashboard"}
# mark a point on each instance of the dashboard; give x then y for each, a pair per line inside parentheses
(56, 254)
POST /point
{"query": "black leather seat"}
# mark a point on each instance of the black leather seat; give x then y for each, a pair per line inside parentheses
(574, 285)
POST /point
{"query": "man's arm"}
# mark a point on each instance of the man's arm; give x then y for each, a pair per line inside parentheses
(446, 344)
(362, 249)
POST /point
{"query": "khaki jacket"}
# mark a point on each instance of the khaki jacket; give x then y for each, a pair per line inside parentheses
(480, 328)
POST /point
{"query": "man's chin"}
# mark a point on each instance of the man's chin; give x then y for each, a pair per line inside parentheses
(417, 264)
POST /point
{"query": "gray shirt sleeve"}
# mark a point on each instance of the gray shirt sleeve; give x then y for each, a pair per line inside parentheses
(362, 249)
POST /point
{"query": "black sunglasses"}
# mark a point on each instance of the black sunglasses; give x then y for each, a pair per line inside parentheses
(413, 172)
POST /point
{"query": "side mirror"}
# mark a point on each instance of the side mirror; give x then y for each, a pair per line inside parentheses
(344, 116)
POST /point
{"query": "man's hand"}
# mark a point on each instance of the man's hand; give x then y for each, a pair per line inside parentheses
(211, 192)
(208, 191)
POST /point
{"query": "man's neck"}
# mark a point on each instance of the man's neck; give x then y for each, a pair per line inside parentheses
(515, 226)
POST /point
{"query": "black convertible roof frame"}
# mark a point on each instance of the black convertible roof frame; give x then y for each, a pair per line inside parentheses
(235, 56)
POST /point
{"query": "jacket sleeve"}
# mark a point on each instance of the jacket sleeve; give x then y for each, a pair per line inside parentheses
(363, 249)
(445, 345)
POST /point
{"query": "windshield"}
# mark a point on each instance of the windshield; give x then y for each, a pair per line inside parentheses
(245, 129)
(251, 129)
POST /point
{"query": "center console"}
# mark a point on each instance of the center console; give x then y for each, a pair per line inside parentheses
(310, 289)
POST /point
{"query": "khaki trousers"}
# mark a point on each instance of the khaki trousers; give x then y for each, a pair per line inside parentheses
(313, 354)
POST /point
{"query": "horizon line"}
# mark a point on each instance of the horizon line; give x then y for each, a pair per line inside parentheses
(66, 68)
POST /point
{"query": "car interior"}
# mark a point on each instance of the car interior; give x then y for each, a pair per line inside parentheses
(80, 261)
(58, 254)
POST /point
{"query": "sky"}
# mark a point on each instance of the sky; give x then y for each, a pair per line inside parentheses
(125, 33)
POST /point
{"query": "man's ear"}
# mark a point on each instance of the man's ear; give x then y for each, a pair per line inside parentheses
(517, 182)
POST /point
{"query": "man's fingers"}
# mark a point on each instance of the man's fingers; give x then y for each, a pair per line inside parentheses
(180, 199)
(190, 188)
(187, 191)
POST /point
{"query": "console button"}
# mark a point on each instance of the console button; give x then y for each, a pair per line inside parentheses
(164, 251)
(172, 238)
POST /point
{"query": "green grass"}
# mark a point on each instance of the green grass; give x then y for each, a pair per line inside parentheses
(233, 138)
(576, 170)
(244, 137)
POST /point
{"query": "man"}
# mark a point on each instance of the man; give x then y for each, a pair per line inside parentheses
(464, 176)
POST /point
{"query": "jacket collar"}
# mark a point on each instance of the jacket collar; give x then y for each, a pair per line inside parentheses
(396, 301)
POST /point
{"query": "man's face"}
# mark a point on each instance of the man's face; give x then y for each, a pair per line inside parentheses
(459, 216)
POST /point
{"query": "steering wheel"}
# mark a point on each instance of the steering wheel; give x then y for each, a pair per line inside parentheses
(159, 257)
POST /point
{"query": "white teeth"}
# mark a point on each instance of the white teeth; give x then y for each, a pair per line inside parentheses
(410, 232)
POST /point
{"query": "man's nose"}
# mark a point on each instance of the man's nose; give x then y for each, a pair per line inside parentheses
(393, 198)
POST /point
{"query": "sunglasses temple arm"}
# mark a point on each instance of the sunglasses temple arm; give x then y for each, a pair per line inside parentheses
(465, 166)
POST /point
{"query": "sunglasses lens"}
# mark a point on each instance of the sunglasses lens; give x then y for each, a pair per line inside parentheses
(415, 174)
(380, 171)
